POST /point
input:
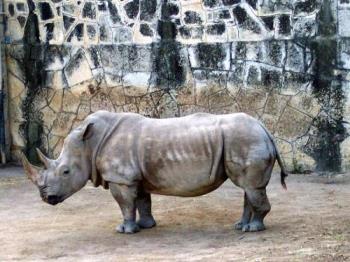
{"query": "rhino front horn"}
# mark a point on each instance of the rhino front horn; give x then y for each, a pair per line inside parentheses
(43, 158)
(31, 171)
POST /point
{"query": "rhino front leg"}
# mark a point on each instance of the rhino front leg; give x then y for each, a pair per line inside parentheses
(260, 206)
(144, 207)
(126, 198)
(247, 214)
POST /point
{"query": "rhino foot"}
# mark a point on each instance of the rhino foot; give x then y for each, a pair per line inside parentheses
(128, 227)
(146, 222)
(253, 226)
(239, 225)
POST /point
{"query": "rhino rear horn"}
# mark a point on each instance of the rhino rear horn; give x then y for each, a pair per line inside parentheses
(43, 158)
(31, 171)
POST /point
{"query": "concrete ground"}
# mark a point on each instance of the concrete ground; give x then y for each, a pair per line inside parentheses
(309, 222)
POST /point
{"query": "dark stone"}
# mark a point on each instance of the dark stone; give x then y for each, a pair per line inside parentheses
(224, 14)
(268, 21)
(240, 14)
(101, 6)
(114, 12)
(78, 32)
(305, 28)
(167, 30)
(210, 55)
(295, 78)
(20, 7)
(91, 31)
(11, 9)
(216, 29)
(74, 63)
(103, 33)
(276, 6)
(89, 10)
(146, 30)
(94, 56)
(231, 2)
(45, 11)
(253, 76)
(49, 31)
(271, 78)
(170, 72)
(192, 17)
(307, 6)
(211, 3)
(148, 9)
(132, 9)
(197, 32)
(114, 57)
(236, 76)
(67, 22)
(327, 26)
(167, 63)
(21, 20)
(59, 10)
(244, 20)
(54, 52)
(240, 51)
(275, 53)
(284, 25)
(190, 32)
(252, 3)
(185, 32)
(169, 10)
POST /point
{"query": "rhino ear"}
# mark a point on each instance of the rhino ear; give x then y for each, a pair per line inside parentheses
(87, 131)
(31, 171)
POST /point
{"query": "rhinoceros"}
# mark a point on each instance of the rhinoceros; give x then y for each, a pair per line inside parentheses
(135, 156)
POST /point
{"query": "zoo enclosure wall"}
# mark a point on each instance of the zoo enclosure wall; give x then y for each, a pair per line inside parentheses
(286, 63)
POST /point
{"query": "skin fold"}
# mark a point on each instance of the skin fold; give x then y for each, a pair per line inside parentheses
(189, 156)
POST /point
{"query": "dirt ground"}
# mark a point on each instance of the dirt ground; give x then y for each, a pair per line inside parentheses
(309, 222)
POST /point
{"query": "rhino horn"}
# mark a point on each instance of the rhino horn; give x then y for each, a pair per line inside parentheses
(43, 158)
(31, 171)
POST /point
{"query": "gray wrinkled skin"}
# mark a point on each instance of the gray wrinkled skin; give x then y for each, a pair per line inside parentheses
(189, 156)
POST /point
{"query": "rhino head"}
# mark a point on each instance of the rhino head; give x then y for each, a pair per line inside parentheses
(58, 179)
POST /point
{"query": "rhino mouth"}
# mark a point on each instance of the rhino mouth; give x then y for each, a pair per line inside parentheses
(54, 200)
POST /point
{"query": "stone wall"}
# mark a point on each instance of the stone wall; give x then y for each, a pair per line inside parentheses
(286, 62)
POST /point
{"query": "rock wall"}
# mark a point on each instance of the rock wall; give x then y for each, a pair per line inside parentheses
(285, 62)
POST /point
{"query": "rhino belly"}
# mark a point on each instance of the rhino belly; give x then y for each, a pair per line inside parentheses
(184, 179)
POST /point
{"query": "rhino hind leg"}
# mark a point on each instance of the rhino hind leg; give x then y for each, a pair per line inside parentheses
(144, 207)
(260, 206)
(247, 214)
(126, 198)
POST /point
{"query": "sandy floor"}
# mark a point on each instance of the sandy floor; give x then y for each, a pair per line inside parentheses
(309, 222)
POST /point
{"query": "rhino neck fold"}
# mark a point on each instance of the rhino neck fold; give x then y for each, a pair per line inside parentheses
(105, 130)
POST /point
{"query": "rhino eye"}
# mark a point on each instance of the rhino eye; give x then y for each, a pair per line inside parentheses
(66, 172)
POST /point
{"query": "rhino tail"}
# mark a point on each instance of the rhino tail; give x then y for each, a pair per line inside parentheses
(284, 173)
